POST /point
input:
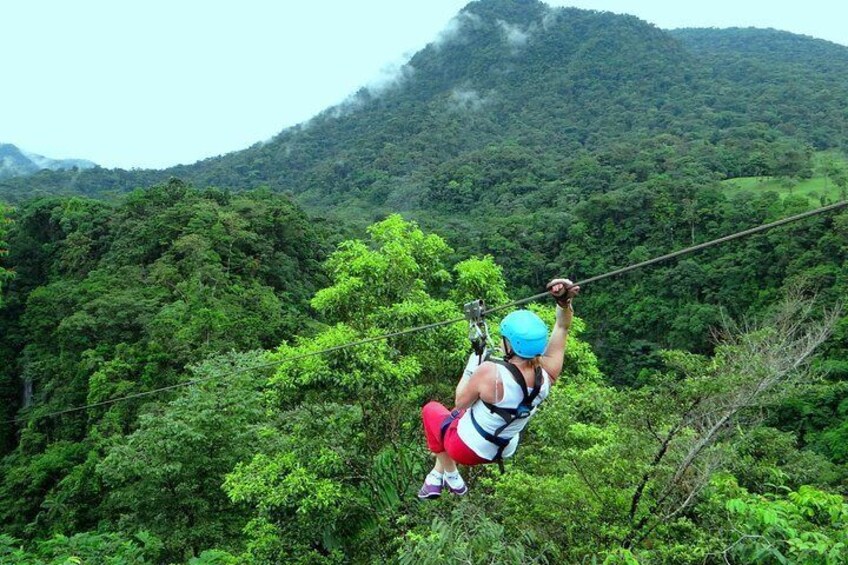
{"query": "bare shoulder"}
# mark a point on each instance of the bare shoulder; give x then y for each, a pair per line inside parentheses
(487, 369)
(488, 385)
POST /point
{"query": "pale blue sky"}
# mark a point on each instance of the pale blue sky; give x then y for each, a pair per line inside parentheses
(157, 83)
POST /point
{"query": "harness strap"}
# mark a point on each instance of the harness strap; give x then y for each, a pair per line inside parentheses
(443, 429)
(529, 397)
(506, 414)
(501, 442)
(526, 404)
(538, 380)
(517, 376)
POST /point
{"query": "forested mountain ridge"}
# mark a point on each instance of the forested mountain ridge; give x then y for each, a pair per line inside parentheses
(558, 83)
(788, 81)
(14, 162)
(769, 46)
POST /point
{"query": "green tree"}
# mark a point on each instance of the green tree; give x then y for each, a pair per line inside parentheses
(469, 535)
(115, 299)
(347, 446)
(88, 547)
(343, 441)
(635, 463)
(166, 476)
(833, 169)
(803, 526)
(839, 175)
(5, 274)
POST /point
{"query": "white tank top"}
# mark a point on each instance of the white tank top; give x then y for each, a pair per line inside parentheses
(513, 395)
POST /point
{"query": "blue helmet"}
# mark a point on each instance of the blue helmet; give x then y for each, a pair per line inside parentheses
(526, 332)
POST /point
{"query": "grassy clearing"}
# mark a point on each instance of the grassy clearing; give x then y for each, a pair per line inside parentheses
(813, 188)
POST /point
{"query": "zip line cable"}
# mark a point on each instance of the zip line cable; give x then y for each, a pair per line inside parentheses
(685, 251)
(434, 325)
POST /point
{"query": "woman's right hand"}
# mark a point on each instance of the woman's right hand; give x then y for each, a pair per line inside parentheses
(563, 291)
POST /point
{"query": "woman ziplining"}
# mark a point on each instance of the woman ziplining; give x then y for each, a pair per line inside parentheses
(496, 398)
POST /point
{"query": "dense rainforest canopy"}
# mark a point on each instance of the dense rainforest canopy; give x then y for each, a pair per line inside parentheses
(525, 143)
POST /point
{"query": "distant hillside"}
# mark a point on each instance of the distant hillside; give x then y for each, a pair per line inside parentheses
(793, 83)
(14, 162)
(517, 84)
(768, 47)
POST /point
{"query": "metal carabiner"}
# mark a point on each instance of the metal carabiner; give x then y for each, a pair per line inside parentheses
(478, 330)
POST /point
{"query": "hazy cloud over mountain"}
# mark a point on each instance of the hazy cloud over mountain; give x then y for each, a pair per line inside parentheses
(453, 32)
(15, 162)
(515, 36)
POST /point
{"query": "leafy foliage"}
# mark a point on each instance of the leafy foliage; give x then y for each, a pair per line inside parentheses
(116, 300)
(803, 526)
(513, 93)
(536, 142)
(470, 536)
(166, 476)
(79, 549)
(296, 456)
(348, 420)
(5, 274)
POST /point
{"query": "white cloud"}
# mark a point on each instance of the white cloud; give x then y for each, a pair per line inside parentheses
(551, 18)
(453, 31)
(515, 36)
(466, 99)
(391, 76)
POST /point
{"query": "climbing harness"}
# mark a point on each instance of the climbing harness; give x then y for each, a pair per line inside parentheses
(433, 325)
(522, 411)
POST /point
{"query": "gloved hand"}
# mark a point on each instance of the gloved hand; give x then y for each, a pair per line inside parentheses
(563, 291)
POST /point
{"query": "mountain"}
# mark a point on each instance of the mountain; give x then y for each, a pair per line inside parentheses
(795, 83)
(528, 143)
(14, 162)
(513, 82)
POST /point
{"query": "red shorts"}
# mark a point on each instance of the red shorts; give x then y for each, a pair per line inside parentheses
(434, 415)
